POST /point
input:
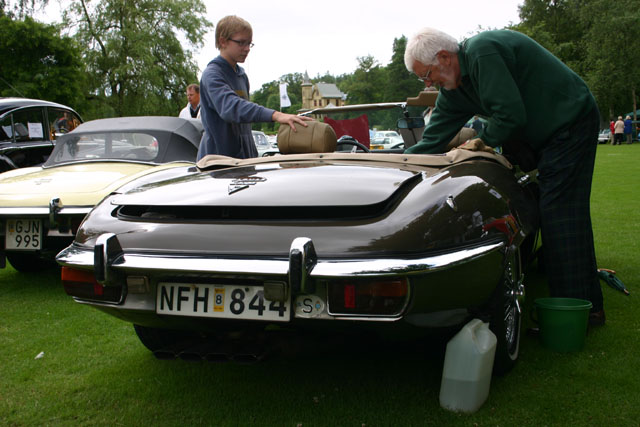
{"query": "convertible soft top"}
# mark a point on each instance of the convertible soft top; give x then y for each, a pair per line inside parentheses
(430, 160)
(190, 129)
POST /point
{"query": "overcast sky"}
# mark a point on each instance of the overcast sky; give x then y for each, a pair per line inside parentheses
(329, 35)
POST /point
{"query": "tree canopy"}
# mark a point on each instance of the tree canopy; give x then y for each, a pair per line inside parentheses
(37, 62)
(133, 53)
(134, 57)
(595, 39)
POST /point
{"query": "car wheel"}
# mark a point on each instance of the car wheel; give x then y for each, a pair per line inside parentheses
(29, 262)
(506, 315)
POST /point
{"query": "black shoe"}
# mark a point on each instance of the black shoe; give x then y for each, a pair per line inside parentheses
(596, 318)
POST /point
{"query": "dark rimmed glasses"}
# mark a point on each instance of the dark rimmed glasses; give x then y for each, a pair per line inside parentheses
(243, 43)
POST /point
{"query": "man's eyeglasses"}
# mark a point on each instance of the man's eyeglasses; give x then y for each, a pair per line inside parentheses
(243, 43)
(426, 76)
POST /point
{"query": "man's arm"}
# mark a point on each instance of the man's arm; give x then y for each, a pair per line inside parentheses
(443, 126)
(230, 105)
(500, 97)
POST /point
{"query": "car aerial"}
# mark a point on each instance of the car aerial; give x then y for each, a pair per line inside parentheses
(604, 136)
(225, 254)
(28, 129)
(42, 207)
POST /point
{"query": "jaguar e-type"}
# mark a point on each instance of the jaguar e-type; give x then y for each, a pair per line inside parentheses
(312, 238)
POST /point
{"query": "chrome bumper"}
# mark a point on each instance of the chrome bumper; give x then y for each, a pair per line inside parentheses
(303, 262)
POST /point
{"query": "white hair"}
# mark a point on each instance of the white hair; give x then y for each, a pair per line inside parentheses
(425, 45)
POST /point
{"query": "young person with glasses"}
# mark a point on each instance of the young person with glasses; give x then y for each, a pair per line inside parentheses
(225, 109)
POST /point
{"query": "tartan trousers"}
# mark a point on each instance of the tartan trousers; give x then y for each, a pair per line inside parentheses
(565, 172)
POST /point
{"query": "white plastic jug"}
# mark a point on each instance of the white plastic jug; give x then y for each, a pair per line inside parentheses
(468, 363)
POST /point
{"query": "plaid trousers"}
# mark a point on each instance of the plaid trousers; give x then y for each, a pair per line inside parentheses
(565, 172)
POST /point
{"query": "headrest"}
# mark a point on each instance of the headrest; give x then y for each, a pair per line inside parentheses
(317, 137)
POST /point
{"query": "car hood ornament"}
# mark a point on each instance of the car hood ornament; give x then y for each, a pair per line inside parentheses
(244, 182)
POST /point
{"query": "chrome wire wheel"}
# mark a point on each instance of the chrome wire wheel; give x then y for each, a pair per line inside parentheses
(514, 296)
(507, 316)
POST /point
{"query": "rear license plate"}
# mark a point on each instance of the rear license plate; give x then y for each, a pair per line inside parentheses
(23, 234)
(225, 301)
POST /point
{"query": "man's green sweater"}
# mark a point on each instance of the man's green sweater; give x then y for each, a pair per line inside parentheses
(526, 93)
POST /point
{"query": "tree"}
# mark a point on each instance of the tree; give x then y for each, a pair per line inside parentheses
(614, 63)
(400, 83)
(269, 96)
(133, 53)
(37, 62)
(20, 8)
(366, 83)
(594, 39)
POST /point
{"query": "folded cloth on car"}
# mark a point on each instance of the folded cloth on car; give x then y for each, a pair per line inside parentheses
(475, 145)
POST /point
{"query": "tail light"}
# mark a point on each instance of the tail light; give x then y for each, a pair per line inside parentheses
(377, 297)
(82, 284)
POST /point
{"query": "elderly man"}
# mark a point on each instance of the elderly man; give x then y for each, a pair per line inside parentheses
(536, 104)
(192, 110)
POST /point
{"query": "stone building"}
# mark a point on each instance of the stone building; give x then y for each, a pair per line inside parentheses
(320, 95)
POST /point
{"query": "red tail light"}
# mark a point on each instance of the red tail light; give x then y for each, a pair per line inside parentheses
(372, 297)
(82, 284)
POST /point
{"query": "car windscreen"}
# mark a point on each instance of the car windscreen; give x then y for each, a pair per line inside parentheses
(104, 146)
(368, 123)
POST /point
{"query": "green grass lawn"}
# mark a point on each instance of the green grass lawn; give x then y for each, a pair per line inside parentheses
(94, 371)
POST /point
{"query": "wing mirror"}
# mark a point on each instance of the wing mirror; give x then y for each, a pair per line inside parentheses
(411, 123)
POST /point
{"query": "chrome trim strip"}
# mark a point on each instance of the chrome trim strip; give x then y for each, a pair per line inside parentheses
(83, 258)
(43, 211)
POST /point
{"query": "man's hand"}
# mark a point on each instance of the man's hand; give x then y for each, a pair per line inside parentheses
(290, 119)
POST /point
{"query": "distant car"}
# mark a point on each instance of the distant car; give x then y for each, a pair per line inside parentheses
(28, 129)
(604, 136)
(383, 140)
(261, 141)
(42, 207)
(266, 145)
(387, 134)
(212, 262)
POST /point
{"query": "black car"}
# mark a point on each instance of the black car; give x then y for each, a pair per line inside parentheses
(212, 262)
(28, 129)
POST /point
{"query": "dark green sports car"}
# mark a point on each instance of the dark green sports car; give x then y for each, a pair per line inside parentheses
(313, 238)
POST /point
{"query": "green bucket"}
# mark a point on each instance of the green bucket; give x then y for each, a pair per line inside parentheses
(563, 322)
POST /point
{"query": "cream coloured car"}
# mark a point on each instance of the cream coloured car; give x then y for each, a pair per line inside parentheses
(42, 207)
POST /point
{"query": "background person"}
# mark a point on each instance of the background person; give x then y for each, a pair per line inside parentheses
(612, 132)
(628, 129)
(505, 76)
(618, 131)
(226, 111)
(192, 110)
